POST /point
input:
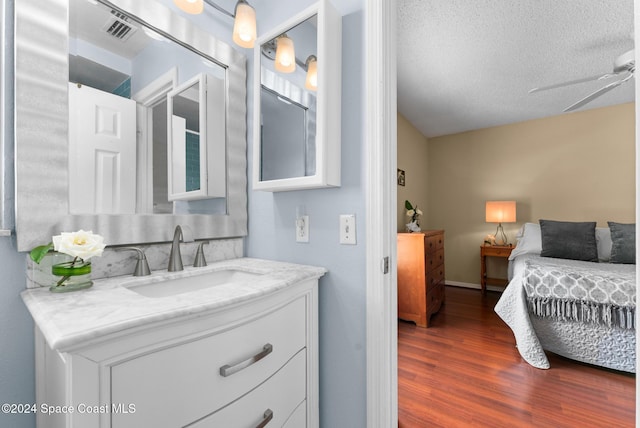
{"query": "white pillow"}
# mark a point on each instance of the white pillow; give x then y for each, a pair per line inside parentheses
(603, 242)
(529, 240)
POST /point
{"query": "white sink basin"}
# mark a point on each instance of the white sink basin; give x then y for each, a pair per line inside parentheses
(175, 286)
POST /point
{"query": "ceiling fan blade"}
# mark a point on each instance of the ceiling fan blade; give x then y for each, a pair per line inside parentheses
(573, 82)
(597, 93)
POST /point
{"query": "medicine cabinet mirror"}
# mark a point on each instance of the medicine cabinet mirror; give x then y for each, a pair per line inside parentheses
(297, 102)
(197, 139)
(205, 82)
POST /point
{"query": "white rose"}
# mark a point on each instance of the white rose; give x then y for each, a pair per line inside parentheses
(79, 244)
(410, 213)
(418, 212)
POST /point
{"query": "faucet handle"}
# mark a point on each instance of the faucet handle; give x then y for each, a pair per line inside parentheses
(142, 266)
(200, 261)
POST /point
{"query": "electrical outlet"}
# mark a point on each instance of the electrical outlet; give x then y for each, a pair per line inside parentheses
(302, 228)
(348, 229)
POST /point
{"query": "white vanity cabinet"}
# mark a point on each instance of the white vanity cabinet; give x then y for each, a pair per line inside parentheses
(245, 365)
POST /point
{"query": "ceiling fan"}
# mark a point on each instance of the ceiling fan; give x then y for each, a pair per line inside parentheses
(624, 65)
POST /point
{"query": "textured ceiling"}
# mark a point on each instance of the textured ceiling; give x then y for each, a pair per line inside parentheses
(469, 64)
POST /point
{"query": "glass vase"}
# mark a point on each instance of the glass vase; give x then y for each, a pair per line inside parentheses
(71, 276)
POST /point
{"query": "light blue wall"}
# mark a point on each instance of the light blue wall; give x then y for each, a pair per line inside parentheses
(17, 384)
(343, 289)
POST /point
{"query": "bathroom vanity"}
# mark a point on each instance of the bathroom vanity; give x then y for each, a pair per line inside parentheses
(231, 344)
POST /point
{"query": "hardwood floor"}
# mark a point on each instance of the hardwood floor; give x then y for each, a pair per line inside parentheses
(464, 371)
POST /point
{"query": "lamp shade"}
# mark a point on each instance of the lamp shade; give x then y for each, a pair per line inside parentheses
(244, 26)
(500, 211)
(193, 7)
(311, 83)
(285, 55)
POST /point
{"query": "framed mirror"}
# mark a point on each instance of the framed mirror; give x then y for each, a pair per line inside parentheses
(196, 139)
(297, 87)
(45, 164)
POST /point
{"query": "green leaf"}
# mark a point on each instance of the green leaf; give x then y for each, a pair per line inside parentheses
(38, 253)
(408, 205)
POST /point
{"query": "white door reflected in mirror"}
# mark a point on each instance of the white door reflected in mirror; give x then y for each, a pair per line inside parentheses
(102, 152)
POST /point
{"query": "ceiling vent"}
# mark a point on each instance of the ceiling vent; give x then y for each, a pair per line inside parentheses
(118, 26)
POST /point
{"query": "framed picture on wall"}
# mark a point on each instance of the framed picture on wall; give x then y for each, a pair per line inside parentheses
(401, 177)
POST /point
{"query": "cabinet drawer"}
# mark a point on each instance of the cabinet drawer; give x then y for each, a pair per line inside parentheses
(435, 276)
(433, 243)
(183, 383)
(299, 417)
(275, 401)
(434, 259)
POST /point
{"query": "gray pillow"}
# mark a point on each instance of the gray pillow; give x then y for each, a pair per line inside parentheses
(569, 240)
(623, 242)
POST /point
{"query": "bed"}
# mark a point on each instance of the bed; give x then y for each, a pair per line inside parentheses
(580, 309)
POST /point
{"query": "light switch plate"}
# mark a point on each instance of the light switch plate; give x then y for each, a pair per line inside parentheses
(348, 229)
(302, 228)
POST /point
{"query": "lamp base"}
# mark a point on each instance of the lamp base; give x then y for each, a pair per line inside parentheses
(501, 237)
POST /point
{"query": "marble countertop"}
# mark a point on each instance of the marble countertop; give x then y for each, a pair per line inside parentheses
(68, 319)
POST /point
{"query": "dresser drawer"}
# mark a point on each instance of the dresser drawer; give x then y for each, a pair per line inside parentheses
(272, 402)
(435, 276)
(435, 297)
(182, 383)
(434, 243)
(434, 259)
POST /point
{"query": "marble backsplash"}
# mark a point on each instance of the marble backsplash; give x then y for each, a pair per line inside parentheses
(114, 262)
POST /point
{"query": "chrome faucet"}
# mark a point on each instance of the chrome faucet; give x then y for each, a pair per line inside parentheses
(175, 258)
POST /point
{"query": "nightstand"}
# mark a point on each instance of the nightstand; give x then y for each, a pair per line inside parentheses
(503, 251)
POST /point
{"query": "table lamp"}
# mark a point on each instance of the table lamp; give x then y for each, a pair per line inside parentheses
(500, 212)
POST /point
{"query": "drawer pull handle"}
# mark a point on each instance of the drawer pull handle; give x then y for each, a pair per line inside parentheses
(268, 415)
(228, 370)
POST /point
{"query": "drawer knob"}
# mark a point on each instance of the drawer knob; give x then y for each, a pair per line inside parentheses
(268, 415)
(229, 369)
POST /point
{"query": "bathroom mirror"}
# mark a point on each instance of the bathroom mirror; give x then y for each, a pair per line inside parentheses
(196, 139)
(297, 101)
(42, 129)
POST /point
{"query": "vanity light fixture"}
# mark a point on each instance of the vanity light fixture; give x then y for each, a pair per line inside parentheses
(285, 54)
(244, 26)
(310, 66)
(193, 7)
(311, 82)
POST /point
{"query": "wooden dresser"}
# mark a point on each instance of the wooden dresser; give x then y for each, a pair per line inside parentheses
(420, 275)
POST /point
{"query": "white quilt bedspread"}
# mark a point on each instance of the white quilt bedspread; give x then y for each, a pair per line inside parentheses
(590, 343)
(512, 308)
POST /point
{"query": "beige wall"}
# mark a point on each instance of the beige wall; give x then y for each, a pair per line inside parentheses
(574, 167)
(412, 158)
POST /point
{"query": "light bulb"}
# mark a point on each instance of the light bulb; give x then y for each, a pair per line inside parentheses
(285, 55)
(193, 7)
(311, 82)
(244, 26)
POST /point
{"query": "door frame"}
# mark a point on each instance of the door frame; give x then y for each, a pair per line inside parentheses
(381, 141)
(147, 98)
(381, 195)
